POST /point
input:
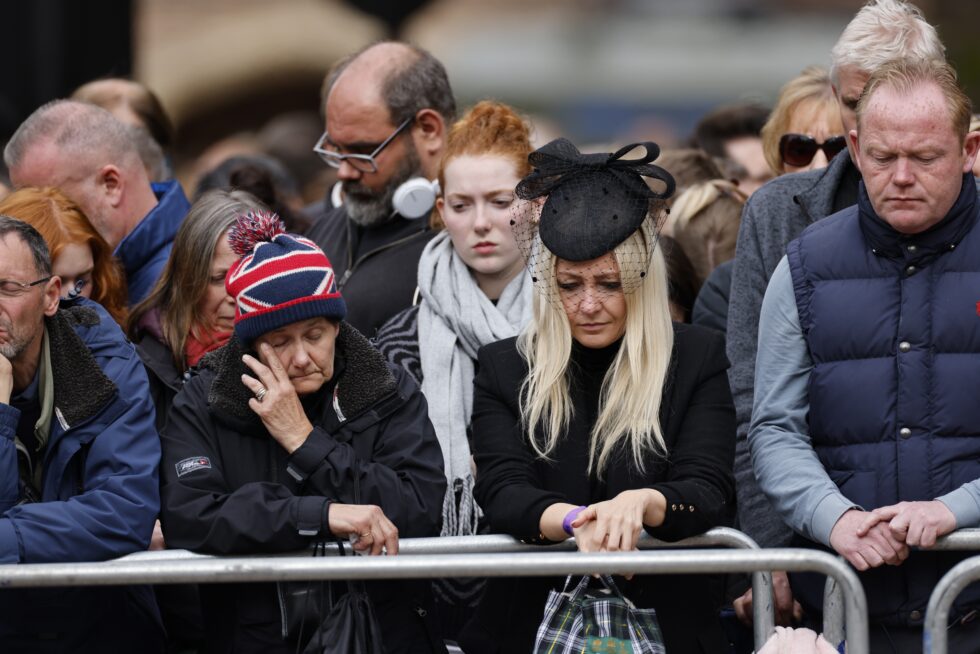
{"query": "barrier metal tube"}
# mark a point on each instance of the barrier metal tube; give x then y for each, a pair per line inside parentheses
(934, 636)
(934, 632)
(763, 606)
(244, 569)
(961, 539)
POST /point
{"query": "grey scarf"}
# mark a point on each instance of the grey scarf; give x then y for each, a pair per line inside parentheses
(455, 319)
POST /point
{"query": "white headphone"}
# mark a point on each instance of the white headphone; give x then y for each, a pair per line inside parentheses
(414, 198)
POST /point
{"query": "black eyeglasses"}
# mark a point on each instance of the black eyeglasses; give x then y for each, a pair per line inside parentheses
(798, 150)
(10, 288)
(362, 162)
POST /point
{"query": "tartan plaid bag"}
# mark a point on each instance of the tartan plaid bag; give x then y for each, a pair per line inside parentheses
(602, 621)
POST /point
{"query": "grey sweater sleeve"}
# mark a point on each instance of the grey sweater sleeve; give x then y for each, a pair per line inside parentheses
(749, 278)
(783, 458)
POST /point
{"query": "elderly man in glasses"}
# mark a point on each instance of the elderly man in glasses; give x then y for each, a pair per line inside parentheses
(78, 459)
(387, 109)
(882, 31)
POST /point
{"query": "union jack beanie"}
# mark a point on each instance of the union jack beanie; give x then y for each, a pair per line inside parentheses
(280, 278)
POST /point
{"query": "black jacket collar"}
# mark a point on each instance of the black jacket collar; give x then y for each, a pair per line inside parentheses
(81, 389)
(364, 379)
(942, 237)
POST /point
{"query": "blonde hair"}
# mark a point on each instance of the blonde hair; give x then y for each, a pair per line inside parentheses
(810, 86)
(629, 402)
(706, 220)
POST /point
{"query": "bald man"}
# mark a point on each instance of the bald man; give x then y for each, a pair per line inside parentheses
(387, 111)
(96, 161)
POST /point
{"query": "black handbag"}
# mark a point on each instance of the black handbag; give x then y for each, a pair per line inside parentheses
(301, 603)
(345, 625)
(351, 627)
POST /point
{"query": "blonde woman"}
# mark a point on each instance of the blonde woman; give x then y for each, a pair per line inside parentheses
(602, 419)
(804, 130)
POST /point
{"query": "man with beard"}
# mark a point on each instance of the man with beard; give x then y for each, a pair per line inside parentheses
(387, 108)
(78, 459)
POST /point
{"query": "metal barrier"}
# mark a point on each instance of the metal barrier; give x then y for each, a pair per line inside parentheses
(150, 568)
(934, 636)
(833, 618)
(762, 606)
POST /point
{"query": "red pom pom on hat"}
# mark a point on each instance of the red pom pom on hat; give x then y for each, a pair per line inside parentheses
(252, 228)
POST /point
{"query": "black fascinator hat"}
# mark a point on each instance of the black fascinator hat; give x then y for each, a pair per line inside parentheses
(593, 202)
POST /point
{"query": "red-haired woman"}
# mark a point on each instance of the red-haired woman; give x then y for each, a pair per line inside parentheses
(79, 255)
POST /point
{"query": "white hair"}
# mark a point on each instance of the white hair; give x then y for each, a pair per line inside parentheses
(884, 31)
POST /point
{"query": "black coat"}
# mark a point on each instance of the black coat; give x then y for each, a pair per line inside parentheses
(165, 380)
(240, 492)
(377, 268)
(514, 487)
(711, 306)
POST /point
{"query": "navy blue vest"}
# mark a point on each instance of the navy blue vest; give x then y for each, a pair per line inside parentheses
(891, 322)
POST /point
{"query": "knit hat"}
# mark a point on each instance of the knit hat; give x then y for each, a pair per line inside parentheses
(280, 279)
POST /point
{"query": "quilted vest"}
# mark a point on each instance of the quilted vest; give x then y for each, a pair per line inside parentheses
(892, 326)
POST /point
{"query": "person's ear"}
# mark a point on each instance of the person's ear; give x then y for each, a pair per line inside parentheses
(971, 145)
(430, 131)
(852, 137)
(111, 183)
(52, 295)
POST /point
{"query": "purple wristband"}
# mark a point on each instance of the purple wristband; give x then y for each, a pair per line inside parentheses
(566, 524)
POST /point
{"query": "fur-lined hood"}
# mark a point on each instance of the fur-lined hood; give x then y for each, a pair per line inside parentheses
(364, 380)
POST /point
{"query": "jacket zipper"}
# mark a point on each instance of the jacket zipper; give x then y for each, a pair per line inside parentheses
(352, 265)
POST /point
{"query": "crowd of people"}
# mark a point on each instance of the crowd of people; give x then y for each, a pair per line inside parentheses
(472, 332)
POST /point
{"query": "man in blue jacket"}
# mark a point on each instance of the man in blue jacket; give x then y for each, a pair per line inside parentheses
(78, 459)
(95, 159)
(865, 433)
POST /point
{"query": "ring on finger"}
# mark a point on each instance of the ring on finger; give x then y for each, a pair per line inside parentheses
(260, 394)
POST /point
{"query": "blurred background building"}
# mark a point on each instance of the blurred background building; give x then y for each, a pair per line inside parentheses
(244, 75)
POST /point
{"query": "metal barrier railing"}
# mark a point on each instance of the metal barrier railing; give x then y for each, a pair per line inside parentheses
(145, 568)
(833, 619)
(762, 606)
(934, 633)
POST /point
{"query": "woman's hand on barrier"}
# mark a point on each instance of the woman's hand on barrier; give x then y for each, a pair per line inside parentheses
(373, 533)
(788, 610)
(917, 524)
(279, 407)
(617, 522)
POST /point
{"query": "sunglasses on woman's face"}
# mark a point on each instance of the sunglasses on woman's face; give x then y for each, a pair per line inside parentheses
(798, 150)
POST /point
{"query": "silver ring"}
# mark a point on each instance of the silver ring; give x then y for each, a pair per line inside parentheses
(261, 393)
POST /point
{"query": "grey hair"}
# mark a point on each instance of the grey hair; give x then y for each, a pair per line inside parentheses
(420, 82)
(151, 154)
(883, 31)
(33, 239)
(186, 275)
(77, 129)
